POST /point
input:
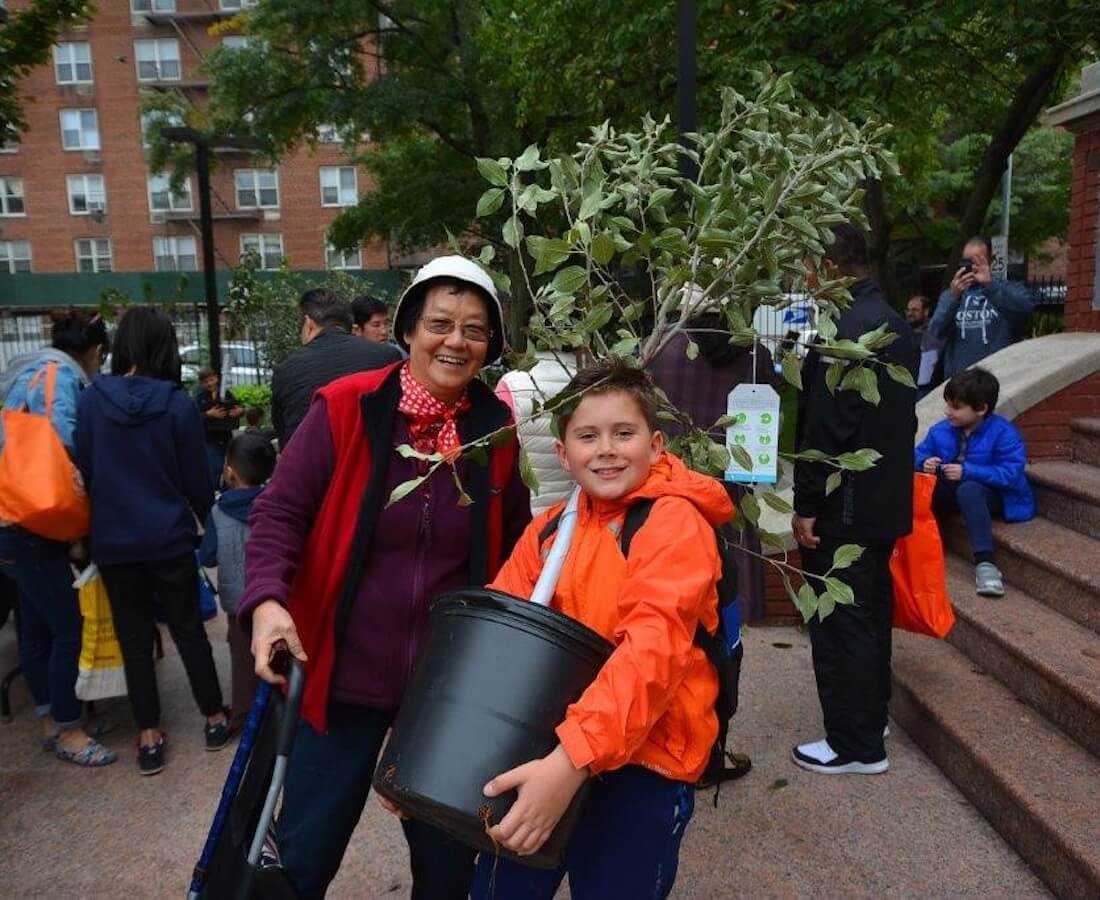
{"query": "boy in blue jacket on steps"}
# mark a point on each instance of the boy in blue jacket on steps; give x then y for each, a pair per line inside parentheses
(979, 459)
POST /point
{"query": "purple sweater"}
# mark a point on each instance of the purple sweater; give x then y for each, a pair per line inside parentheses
(419, 551)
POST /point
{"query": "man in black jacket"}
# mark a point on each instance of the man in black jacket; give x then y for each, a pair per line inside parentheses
(328, 352)
(872, 508)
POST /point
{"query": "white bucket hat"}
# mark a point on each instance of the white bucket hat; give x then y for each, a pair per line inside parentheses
(462, 269)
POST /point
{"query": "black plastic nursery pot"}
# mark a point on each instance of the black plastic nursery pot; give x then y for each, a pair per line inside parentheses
(490, 687)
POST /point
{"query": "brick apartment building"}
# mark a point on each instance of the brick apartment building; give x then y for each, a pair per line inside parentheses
(79, 210)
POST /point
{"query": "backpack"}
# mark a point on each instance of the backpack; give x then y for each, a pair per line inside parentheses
(723, 649)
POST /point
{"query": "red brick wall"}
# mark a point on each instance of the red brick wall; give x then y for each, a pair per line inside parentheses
(1084, 208)
(1046, 426)
(115, 95)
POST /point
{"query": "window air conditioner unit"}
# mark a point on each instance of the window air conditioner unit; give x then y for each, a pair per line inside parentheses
(158, 218)
(93, 156)
(96, 206)
(85, 90)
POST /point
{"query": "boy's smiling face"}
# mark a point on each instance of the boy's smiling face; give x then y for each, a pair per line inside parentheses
(608, 446)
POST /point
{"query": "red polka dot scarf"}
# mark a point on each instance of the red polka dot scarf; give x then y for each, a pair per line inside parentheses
(432, 424)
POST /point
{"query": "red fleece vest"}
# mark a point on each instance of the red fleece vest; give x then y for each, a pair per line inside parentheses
(315, 594)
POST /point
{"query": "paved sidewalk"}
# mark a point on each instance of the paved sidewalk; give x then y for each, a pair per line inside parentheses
(72, 833)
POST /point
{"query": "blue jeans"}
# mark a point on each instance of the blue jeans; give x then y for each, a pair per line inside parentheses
(49, 621)
(626, 844)
(978, 505)
(327, 782)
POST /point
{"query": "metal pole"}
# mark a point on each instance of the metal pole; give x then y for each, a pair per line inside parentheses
(686, 78)
(210, 277)
(1006, 198)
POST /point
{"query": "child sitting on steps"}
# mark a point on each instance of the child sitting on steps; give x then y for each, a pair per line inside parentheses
(644, 729)
(979, 458)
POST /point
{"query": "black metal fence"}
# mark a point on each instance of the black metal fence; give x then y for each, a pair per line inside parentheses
(1050, 293)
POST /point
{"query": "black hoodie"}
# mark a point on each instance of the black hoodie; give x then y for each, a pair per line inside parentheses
(139, 445)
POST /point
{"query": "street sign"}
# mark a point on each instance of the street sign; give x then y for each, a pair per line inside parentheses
(999, 264)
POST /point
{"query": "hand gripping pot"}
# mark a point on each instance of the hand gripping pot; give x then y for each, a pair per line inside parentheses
(456, 268)
(493, 682)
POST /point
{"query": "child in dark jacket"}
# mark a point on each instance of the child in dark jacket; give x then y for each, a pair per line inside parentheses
(979, 458)
(250, 460)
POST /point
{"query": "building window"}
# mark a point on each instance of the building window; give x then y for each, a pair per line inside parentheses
(158, 60)
(235, 41)
(257, 188)
(339, 186)
(236, 4)
(15, 256)
(11, 197)
(268, 246)
(140, 6)
(175, 254)
(343, 259)
(327, 134)
(93, 255)
(87, 194)
(72, 62)
(79, 129)
(163, 199)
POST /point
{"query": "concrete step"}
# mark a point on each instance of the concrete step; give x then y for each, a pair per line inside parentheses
(1049, 562)
(1042, 657)
(1085, 437)
(1068, 493)
(1035, 785)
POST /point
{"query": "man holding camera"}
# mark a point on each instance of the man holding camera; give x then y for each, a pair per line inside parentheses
(977, 316)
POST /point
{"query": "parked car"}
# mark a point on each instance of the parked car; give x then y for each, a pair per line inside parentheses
(241, 364)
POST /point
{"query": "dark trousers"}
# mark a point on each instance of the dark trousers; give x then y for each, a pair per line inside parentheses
(851, 650)
(243, 669)
(131, 589)
(49, 621)
(626, 844)
(327, 783)
(978, 505)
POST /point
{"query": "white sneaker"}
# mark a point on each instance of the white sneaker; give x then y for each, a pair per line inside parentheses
(988, 580)
(819, 757)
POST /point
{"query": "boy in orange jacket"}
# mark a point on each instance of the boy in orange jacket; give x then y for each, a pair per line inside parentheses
(643, 730)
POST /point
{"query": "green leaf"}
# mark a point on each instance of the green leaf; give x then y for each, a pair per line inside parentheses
(408, 452)
(527, 472)
(839, 591)
(777, 503)
(603, 248)
(528, 161)
(464, 499)
(512, 232)
(859, 460)
(863, 380)
(548, 253)
(590, 204)
(692, 350)
(845, 555)
(404, 489)
(749, 507)
(792, 372)
(660, 197)
(833, 375)
(741, 457)
(833, 482)
(569, 280)
(490, 202)
(826, 327)
(493, 172)
(826, 603)
(806, 601)
(900, 374)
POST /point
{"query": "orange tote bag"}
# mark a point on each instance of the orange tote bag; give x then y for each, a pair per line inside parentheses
(40, 488)
(921, 603)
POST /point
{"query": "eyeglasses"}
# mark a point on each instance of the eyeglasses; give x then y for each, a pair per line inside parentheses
(477, 334)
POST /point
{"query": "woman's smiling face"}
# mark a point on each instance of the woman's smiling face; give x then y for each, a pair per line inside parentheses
(445, 363)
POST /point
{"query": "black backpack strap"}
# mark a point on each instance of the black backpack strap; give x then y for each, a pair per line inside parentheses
(550, 528)
(635, 519)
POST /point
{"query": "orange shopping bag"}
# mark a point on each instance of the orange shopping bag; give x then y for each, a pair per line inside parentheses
(921, 603)
(40, 488)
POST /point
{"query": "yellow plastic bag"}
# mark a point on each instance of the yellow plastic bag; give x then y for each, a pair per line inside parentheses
(100, 673)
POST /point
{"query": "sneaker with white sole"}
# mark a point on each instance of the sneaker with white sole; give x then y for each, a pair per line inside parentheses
(819, 757)
(988, 580)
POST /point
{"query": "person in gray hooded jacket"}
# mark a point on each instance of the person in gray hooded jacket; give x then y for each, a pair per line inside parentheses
(977, 316)
(249, 462)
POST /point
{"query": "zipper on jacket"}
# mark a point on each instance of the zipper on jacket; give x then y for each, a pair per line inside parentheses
(423, 541)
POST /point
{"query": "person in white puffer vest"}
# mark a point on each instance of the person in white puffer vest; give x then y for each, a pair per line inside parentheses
(520, 390)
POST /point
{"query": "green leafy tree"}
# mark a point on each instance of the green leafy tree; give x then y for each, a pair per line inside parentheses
(25, 41)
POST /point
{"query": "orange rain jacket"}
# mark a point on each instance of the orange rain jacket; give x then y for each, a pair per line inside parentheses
(652, 703)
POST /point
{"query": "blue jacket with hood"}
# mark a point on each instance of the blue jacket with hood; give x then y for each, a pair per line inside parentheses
(224, 540)
(995, 456)
(139, 446)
